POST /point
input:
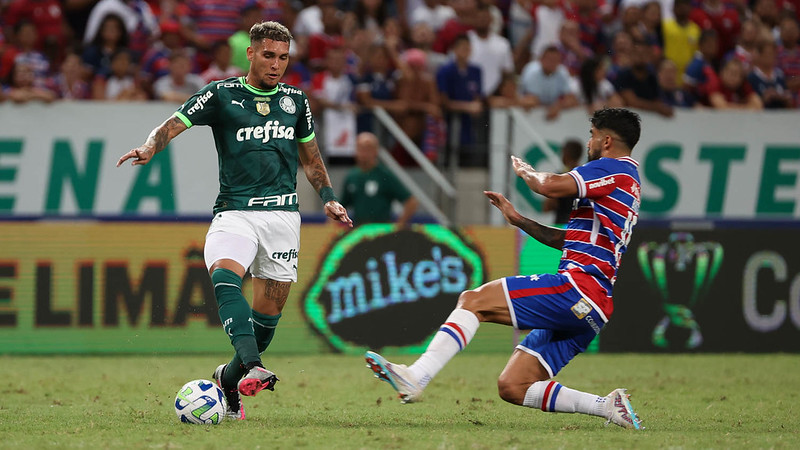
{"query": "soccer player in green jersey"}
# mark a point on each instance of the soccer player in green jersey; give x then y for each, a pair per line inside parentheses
(262, 128)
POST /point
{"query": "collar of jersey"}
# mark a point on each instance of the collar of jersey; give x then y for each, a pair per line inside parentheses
(256, 90)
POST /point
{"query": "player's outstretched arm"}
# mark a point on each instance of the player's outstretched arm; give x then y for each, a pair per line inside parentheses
(549, 236)
(317, 175)
(156, 141)
(551, 185)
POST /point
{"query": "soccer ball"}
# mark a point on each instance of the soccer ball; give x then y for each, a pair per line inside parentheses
(200, 402)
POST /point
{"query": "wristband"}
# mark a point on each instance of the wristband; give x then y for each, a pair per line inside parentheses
(327, 195)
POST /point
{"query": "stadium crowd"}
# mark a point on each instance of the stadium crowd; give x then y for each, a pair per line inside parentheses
(435, 65)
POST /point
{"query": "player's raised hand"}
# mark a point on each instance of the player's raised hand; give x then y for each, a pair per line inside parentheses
(140, 155)
(521, 168)
(336, 211)
(501, 202)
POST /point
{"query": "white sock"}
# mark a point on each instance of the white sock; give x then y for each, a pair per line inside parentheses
(454, 334)
(551, 396)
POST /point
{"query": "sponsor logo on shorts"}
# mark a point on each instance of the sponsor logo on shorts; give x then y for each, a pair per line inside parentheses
(286, 256)
(581, 309)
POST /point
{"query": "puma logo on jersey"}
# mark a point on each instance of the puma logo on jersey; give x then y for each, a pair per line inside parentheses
(271, 130)
(240, 103)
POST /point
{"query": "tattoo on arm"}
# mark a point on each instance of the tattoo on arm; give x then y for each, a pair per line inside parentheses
(313, 165)
(549, 236)
(161, 135)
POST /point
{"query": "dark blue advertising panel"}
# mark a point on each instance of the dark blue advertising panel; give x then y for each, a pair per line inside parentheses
(718, 289)
(382, 288)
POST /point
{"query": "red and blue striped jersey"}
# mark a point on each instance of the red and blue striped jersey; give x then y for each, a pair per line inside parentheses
(600, 226)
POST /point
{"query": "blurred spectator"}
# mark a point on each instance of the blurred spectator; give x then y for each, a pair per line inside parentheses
(330, 37)
(371, 15)
(520, 21)
(309, 19)
(48, 20)
(507, 94)
(733, 91)
(140, 23)
(377, 86)
(180, 83)
(297, 73)
(681, 36)
(490, 52)
(422, 37)
(571, 154)
(422, 119)
(240, 40)
(549, 17)
(621, 51)
(25, 52)
(370, 189)
(333, 93)
(789, 8)
(672, 93)
(121, 83)
(746, 44)
(212, 21)
(155, 63)
(546, 82)
(650, 27)
(700, 73)
(587, 15)
(765, 12)
(462, 22)
(70, 82)
(573, 51)
(76, 15)
(630, 17)
(638, 85)
(767, 79)
(220, 67)
(789, 56)
(593, 89)
(433, 13)
(22, 87)
(713, 14)
(459, 84)
(111, 37)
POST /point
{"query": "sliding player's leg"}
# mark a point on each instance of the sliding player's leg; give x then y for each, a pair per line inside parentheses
(484, 304)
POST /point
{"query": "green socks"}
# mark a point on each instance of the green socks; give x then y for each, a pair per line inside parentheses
(264, 328)
(235, 314)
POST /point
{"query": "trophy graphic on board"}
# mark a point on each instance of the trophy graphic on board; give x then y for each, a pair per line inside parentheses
(681, 272)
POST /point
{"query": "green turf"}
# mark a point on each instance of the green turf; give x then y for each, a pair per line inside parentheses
(686, 401)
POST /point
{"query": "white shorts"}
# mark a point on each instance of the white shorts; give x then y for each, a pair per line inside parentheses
(268, 242)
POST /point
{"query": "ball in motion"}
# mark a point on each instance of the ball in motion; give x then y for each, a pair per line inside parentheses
(200, 402)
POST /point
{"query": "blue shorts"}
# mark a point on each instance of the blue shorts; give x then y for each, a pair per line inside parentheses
(561, 320)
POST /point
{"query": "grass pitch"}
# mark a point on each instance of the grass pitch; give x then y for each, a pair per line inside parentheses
(686, 401)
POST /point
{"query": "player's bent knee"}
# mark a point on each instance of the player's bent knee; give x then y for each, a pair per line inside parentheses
(470, 300)
(510, 391)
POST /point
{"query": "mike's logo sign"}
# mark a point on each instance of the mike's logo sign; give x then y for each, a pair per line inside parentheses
(379, 288)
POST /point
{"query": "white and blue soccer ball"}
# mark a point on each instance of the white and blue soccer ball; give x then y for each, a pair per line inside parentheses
(201, 402)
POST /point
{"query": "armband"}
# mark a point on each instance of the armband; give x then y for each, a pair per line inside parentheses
(327, 195)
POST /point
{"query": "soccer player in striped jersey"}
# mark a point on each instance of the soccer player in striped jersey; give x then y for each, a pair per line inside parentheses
(263, 129)
(564, 311)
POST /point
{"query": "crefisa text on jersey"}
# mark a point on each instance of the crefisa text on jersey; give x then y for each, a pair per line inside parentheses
(271, 129)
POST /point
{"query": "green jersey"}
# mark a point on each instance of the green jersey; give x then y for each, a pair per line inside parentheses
(256, 134)
(371, 194)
